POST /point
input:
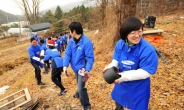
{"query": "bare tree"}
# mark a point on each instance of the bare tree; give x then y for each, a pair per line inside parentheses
(104, 6)
(30, 9)
(123, 10)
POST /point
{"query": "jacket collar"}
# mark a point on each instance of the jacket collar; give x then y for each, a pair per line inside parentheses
(80, 41)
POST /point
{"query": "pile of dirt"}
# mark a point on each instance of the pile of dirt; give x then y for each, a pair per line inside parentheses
(8, 65)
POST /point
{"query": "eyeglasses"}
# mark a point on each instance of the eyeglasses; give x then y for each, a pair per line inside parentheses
(133, 33)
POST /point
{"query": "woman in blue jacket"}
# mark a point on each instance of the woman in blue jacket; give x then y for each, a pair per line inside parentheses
(56, 63)
(137, 61)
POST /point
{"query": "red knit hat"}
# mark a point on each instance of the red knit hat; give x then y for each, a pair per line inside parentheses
(51, 43)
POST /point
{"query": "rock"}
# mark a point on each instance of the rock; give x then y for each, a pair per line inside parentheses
(73, 105)
(103, 85)
(174, 35)
(46, 107)
(57, 107)
(166, 93)
(48, 99)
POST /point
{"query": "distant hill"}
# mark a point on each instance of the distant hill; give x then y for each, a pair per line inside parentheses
(7, 17)
(65, 8)
(69, 6)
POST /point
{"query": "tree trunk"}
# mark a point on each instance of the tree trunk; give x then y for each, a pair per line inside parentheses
(104, 5)
(124, 9)
(30, 14)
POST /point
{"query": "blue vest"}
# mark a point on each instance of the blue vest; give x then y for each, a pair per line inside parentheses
(134, 94)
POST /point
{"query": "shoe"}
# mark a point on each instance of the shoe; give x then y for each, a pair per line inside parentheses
(41, 83)
(63, 92)
(87, 108)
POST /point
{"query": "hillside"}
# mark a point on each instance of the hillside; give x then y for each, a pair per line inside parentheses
(7, 17)
(167, 85)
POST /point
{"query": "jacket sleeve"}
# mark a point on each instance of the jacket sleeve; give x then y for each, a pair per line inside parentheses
(31, 53)
(89, 56)
(67, 56)
(47, 56)
(149, 61)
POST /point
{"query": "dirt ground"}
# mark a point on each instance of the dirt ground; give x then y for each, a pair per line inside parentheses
(167, 85)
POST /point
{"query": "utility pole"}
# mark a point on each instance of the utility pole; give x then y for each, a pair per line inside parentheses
(20, 28)
(7, 18)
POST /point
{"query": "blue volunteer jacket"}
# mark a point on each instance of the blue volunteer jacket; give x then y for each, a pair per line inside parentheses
(34, 51)
(79, 55)
(58, 44)
(55, 57)
(134, 94)
(44, 46)
(65, 37)
(62, 39)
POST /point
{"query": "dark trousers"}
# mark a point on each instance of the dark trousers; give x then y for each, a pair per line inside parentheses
(82, 92)
(37, 72)
(56, 77)
(119, 107)
(46, 66)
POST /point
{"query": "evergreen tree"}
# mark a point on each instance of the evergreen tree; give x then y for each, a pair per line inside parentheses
(5, 28)
(59, 26)
(58, 13)
(49, 17)
(46, 17)
(83, 12)
(14, 25)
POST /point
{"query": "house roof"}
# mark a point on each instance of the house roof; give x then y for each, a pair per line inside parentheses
(39, 27)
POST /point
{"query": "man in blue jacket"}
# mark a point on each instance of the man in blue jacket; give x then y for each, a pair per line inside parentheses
(79, 53)
(46, 64)
(35, 51)
(62, 41)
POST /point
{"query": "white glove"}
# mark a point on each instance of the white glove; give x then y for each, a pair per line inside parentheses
(42, 53)
(65, 70)
(106, 68)
(42, 61)
(121, 79)
(81, 71)
(113, 63)
(36, 58)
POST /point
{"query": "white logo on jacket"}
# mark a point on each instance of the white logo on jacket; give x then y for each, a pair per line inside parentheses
(38, 52)
(127, 63)
(79, 48)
